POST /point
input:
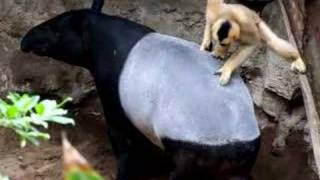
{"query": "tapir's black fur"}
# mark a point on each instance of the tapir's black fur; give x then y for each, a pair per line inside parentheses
(101, 43)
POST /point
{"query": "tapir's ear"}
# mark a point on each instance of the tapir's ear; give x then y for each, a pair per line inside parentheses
(97, 5)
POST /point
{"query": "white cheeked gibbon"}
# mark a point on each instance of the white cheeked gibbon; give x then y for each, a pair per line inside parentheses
(230, 23)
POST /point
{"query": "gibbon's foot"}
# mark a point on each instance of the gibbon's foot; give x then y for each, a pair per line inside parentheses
(218, 72)
(298, 65)
(225, 75)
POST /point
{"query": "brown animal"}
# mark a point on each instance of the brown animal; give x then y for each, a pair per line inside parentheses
(227, 24)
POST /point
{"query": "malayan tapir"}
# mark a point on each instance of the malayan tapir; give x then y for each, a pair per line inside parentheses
(158, 92)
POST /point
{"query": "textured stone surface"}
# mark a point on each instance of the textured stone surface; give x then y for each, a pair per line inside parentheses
(278, 77)
(23, 72)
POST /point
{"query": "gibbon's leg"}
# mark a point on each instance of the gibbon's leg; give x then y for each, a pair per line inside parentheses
(282, 47)
(220, 51)
(234, 62)
(206, 37)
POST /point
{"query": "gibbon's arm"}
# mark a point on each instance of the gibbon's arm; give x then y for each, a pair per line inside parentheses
(207, 36)
(236, 59)
(220, 51)
(282, 47)
(212, 11)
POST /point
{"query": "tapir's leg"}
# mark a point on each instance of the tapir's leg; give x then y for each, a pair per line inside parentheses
(146, 159)
(120, 149)
(184, 160)
(135, 154)
(241, 177)
(183, 166)
(195, 161)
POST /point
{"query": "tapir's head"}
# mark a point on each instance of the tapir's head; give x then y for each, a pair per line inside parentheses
(61, 37)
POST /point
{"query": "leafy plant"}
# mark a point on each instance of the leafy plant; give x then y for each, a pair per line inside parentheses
(82, 174)
(4, 177)
(24, 114)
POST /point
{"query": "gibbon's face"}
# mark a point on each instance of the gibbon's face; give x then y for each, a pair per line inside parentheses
(226, 32)
(59, 38)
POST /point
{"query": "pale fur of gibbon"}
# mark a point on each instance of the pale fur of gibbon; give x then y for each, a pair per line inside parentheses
(227, 24)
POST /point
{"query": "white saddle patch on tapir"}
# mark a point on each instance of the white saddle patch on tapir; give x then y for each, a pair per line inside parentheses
(168, 90)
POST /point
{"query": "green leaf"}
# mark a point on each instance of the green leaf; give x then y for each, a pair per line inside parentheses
(77, 174)
(32, 140)
(24, 114)
(21, 123)
(12, 112)
(32, 137)
(13, 97)
(20, 102)
(29, 103)
(57, 112)
(61, 120)
(3, 108)
(4, 177)
(40, 135)
(48, 106)
(35, 119)
(40, 108)
(68, 99)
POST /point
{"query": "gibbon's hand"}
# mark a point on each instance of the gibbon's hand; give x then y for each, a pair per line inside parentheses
(225, 75)
(218, 55)
(205, 46)
(298, 66)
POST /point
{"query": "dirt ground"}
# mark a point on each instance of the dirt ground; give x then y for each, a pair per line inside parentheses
(89, 137)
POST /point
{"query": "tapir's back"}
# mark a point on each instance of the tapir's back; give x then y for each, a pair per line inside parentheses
(169, 90)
